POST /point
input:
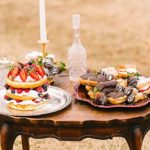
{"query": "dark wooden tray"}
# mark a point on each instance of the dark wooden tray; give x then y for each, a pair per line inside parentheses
(81, 95)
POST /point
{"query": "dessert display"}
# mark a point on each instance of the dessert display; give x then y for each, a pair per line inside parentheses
(27, 86)
(111, 86)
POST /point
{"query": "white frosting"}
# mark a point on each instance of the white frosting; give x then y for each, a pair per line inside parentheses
(36, 54)
(143, 80)
(110, 70)
(131, 70)
(33, 55)
(27, 102)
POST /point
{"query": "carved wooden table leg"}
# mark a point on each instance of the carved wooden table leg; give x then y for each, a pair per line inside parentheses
(25, 142)
(8, 136)
(135, 138)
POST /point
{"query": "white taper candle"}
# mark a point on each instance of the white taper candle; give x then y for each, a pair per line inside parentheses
(43, 34)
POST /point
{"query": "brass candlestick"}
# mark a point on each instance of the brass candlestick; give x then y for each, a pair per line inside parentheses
(43, 43)
(44, 49)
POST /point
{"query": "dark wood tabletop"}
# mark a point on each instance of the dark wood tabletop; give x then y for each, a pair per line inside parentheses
(78, 121)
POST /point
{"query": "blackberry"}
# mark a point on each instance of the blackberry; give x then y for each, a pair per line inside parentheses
(30, 63)
(9, 99)
(40, 94)
(45, 86)
(13, 91)
(46, 96)
(7, 86)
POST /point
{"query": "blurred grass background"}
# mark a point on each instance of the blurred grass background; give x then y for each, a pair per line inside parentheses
(112, 31)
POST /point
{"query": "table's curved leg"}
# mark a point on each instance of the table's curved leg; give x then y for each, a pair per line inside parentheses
(8, 136)
(135, 138)
(25, 142)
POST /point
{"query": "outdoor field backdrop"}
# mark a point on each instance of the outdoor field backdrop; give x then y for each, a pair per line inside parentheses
(112, 31)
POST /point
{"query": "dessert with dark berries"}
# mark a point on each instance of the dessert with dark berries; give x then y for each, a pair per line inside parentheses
(27, 86)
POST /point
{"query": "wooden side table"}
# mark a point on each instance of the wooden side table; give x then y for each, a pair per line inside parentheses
(77, 122)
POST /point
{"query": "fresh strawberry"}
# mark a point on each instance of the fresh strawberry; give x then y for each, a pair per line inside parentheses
(34, 75)
(26, 65)
(14, 72)
(11, 88)
(6, 97)
(9, 74)
(39, 89)
(40, 71)
(18, 101)
(19, 91)
(33, 65)
(23, 75)
(27, 90)
(36, 101)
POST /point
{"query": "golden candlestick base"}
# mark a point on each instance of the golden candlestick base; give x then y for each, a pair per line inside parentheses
(43, 43)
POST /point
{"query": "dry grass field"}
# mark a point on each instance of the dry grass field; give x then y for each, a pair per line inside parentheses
(113, 32)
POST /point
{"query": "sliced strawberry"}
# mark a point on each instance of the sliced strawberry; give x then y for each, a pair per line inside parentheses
(26, 66)
(18, 101)
(6, 97)
(39, 89)
(27, 90)
(40, 71)
(36, 101)
(19, 91)
(9, 74)
(23, 75)
(34, 75)
(14, 72)
(12, 88)
(33, 65)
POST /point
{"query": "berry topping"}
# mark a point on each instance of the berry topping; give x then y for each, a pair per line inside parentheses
(47, 96)
(40, 94)
(40, 71)
(30, 63)
(14, 72)
(7, 98)
(39, 89)
(33, 65)
(23, 75)
(19, 91)
(45, 86)
(18, 101)
(13, 91)
(7, 86)
(34, 75)
(27, 90)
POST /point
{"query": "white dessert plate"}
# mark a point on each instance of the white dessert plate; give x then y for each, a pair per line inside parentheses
(59, 100)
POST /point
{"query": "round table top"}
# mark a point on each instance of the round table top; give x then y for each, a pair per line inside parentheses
(83, 114)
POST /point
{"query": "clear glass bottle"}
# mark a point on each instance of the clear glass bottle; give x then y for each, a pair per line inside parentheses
(77, 55)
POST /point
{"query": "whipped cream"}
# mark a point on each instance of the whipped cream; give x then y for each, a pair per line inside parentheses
(110, 70)
(131, 70)
(27, 102)
(35, 54)
(143, 80)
